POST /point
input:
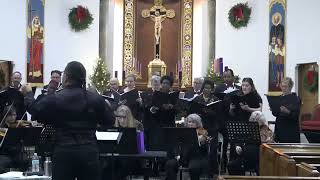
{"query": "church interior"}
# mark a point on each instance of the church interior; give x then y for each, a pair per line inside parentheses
(191, 89)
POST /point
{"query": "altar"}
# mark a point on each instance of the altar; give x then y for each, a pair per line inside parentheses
(157, 40)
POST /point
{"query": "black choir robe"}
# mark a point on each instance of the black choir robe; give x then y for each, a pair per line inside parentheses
(252, 99)
(287, 128)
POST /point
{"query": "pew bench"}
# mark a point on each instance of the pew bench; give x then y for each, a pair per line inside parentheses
(270, 157)
(265, 178)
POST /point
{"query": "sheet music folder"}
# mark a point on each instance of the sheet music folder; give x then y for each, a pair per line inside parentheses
(274, 103)
(25, 136)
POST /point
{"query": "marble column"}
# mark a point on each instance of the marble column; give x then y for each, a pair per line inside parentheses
(212, 28)
(102, 28)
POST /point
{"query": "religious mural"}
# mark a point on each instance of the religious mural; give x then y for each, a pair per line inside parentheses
(35, 42)
(277, 47)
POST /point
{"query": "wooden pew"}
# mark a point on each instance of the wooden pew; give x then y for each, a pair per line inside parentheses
(287, 165)
(264, 178)
(270, 155)
(308, 170)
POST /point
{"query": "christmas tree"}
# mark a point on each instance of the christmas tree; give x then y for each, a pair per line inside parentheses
(217, 79)
(101, 76)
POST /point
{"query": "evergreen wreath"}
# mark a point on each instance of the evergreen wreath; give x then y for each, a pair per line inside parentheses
(310, 81)
(80, 18)
(239, 15)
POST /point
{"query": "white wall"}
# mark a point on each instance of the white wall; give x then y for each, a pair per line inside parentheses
(200, 55)
(61, 43)
(13, 18)
(245, 50)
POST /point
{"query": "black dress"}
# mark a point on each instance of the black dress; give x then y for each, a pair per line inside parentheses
(253, 100)
(287, 128)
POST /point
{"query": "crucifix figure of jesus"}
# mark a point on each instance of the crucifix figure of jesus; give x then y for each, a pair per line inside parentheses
(158, 14)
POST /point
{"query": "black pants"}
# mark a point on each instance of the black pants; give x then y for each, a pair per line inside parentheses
(213, 159)
(5, 162)
(197, 167)
(171, 168)
(81, 162)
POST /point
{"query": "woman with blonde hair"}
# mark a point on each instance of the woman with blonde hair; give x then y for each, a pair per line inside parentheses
(125, 119)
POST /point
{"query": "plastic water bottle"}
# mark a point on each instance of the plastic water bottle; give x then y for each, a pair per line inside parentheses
(47, 167)
(35, 163)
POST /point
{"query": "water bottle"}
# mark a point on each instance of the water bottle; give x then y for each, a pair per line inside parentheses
(35, 163)
(48, 167)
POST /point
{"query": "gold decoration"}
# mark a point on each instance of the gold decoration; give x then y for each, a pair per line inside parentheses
(129, 38)
(187, 43)
(158, 14)
(186, 48)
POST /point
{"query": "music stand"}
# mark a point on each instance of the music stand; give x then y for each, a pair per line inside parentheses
(243, 132)
(46, 140)
(170, 138)
(23, 136)
(109, 137)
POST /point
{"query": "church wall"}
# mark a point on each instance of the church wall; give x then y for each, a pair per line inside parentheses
(61, 43)
(13, 18)
(246, 50)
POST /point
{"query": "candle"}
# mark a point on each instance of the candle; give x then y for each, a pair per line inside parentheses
(221, 66)
(176, 68)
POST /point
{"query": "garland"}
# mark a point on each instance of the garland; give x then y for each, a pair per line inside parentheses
(239, 15)
(310, 81)
(80, 18)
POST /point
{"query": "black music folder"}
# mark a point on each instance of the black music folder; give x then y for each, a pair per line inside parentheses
(274, 103)
(227, 94)
(160, 98)
(200, 107)
(130, 97)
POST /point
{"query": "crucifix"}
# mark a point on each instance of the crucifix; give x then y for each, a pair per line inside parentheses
(158, 13)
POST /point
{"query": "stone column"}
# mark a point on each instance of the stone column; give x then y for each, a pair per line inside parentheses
(102, 29)
(212, 28)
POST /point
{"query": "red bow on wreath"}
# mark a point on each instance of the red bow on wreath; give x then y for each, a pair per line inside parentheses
(310, 75)
(238, 13)
(81, 13)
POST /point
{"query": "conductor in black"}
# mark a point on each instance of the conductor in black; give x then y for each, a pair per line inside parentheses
(75, 113)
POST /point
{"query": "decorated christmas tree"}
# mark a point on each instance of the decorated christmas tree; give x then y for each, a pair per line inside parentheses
(101, 76)
(217, 79)
(215, 74)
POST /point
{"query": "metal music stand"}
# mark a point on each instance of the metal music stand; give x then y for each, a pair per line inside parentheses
(243, 132)
(46, 141)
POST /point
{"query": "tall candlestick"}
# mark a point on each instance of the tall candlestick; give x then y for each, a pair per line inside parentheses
(221, 66)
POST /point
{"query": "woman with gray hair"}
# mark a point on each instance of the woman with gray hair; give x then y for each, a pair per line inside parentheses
(266, 134)
(196, 158)
(287, 128)
(248, 154)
